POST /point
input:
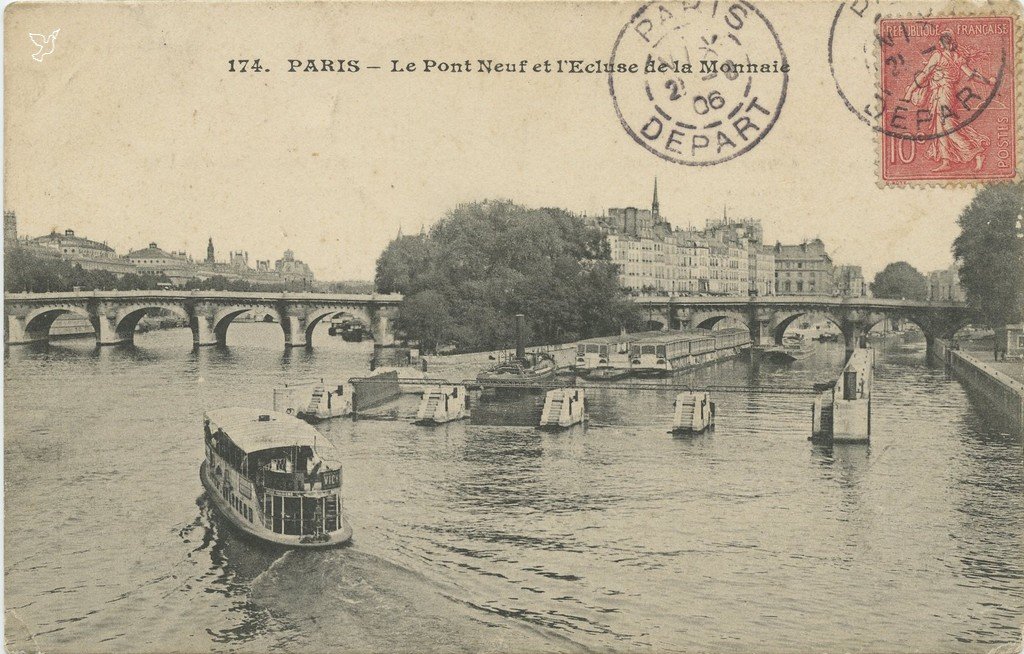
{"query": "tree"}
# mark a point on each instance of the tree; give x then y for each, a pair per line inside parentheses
(990, 251)
(485, 262)
(426, 314)
(900, 280)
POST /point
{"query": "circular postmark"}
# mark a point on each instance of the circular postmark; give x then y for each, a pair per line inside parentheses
(907, 78)
(710, 82)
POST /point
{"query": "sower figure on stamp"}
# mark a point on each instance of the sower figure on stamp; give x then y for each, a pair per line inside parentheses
(937, 87)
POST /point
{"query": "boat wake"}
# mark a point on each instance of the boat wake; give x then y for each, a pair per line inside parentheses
(363, 602)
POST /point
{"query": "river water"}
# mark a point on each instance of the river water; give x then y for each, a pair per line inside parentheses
(616, 536)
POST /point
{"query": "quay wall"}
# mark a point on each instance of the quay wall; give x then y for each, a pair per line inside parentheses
(1001, 391)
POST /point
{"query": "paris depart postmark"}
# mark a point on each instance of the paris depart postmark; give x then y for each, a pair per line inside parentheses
(712, 82)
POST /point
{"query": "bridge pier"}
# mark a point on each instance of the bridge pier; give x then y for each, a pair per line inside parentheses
(295, 333)
(204, 331)
(760, 332)
(107, 333)
(19, 333)
(382, 332)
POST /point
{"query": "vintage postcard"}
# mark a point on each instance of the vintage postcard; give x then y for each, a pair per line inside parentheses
(687, 326)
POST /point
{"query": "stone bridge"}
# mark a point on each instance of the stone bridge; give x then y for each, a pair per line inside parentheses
(115, 314)
(768, 317)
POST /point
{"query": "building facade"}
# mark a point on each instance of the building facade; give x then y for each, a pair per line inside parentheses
(728, 257)
(152, 260)
(804, 269)
(81, 251)
(849, 281)
(944, 285)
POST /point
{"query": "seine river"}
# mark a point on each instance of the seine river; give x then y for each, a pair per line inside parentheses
(613, 537)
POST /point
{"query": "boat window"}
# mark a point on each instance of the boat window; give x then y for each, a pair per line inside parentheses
(278, 514)
(581, 349)
(648, 349)
(593, 349)
(292, 507)
(312, 515)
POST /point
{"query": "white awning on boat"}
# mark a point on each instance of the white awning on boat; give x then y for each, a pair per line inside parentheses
(253, 430)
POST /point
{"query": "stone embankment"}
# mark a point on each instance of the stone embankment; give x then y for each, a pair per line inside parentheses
(1003, 391)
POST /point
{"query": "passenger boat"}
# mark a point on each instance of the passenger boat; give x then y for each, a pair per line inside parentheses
(668, 352)
(602, 355)
(274, 477)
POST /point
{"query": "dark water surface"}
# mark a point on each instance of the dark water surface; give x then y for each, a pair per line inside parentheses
(613, 537)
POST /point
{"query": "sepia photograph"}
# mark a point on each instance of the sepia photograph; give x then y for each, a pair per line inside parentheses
(459, 327)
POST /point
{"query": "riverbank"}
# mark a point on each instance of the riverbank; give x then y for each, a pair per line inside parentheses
(1000, 383)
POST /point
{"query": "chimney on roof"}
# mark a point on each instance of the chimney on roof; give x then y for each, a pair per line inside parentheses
(69, 232)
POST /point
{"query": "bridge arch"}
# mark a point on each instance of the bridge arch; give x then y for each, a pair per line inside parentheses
(710, 319)
(315, 316)
(224, 316)
(781, 324)
(37, 323)
(128, 318)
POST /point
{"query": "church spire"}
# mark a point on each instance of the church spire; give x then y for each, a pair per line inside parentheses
(209, 251)
(655, 209)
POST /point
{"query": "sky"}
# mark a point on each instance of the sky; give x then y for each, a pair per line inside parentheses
(134, 131)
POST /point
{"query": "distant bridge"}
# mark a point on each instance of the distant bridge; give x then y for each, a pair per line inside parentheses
(114, 315)
(768, 317)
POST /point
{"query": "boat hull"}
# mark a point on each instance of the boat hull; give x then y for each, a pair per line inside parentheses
(604, 374)
(337, 537)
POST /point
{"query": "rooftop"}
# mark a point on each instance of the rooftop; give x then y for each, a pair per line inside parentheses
(246, 429)
(69, 238)
(153, 252)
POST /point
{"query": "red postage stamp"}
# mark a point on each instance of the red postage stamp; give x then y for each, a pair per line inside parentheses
(948, 99)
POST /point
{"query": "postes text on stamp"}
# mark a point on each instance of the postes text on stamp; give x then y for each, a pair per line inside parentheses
(948, 99)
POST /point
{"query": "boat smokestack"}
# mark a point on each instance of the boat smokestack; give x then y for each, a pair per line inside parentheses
(520, 336)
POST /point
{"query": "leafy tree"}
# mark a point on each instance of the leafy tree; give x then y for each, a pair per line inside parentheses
(486, 261)
(900, 280)
(990, 251)
(426, 314)
(24, 271)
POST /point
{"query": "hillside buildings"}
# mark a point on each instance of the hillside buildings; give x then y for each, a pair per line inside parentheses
(178, 267)
(727, 257)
